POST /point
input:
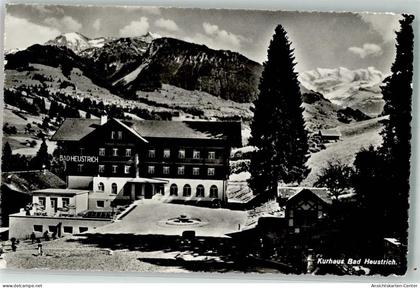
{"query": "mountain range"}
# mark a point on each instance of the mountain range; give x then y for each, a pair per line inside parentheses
(357, 89)
(127, 66)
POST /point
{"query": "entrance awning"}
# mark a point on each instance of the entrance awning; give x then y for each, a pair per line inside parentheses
(147, 180)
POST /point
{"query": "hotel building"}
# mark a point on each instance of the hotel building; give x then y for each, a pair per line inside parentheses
(111, 163)
(121, 161)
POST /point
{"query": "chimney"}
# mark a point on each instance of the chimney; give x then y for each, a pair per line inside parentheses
(104, 119)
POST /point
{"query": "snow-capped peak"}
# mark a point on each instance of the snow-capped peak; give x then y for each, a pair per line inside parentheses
(78, 42)
(345, 87)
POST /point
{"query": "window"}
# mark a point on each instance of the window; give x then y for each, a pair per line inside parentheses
(214, 192)
(53, 202)
(114, 151)
(152, 153)
(101, 168)
(181, 154)
(82, 150)
(166, 170)
(41, 201)
(181, 170)
(200, 191)
(210, 171)
(196, 171)
(101, 151)
(66, 202)
(127, 169)
(52, 228)
(68, 229)
(161, 189)
(196, 154)
(128, 152)
(101, 187)
(37, 228)
(114, 188)
(100, 204)
(151, 169)
(113, 134)
(187, 190)
(114, 168)
(166, 153)
(173, 190)
(83, 229)
(80, 168)
(212, 155)
(119, 135)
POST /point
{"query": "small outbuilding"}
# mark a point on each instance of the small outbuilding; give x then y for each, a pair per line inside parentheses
(329, 135)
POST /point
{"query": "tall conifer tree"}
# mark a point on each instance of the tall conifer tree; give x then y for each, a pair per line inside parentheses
(278, 128)
(396, 149)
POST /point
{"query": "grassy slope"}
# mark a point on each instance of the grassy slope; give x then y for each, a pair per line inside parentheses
(355, 136)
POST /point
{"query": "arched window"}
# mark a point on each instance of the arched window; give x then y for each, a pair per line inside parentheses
(213, 192)
(187, 190)
(200, 191)
(114, 188)
(101, 187)
(173, 191)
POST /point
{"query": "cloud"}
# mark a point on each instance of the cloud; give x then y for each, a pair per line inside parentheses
(167, 24)
(135, 28)
(217, 38)
(152, 10)
(48, 9)
(368, 49)
(210, 29)
(97, 24)
(64, 24)
(20, 33)
(384, 24)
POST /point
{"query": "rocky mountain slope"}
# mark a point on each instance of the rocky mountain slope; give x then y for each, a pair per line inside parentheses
(127, 65)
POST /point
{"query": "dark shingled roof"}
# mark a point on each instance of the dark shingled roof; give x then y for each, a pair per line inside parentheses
(26, 181)
(75, 129)
(290, 192)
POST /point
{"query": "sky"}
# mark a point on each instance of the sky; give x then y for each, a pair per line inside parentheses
(319, 40)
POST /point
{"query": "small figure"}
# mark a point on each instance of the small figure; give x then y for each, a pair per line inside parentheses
(33, 237)
(14, 247)
(54, 235)
(40, 252)
(46, 236)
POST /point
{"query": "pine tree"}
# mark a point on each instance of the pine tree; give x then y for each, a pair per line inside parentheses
(396, 149)
(6, 159)
(42, 158)
(278, 128)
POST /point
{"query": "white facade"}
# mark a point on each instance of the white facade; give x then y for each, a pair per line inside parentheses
(194, 183)
(51, 202)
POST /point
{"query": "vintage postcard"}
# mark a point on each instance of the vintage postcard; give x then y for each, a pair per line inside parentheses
(156, 139)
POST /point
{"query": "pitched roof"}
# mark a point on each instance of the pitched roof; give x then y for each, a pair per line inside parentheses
(26, 181)
(289, 193)
(74, 129)
(330, 132)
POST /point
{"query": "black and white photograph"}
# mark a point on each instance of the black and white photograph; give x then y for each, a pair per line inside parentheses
(184, 140)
